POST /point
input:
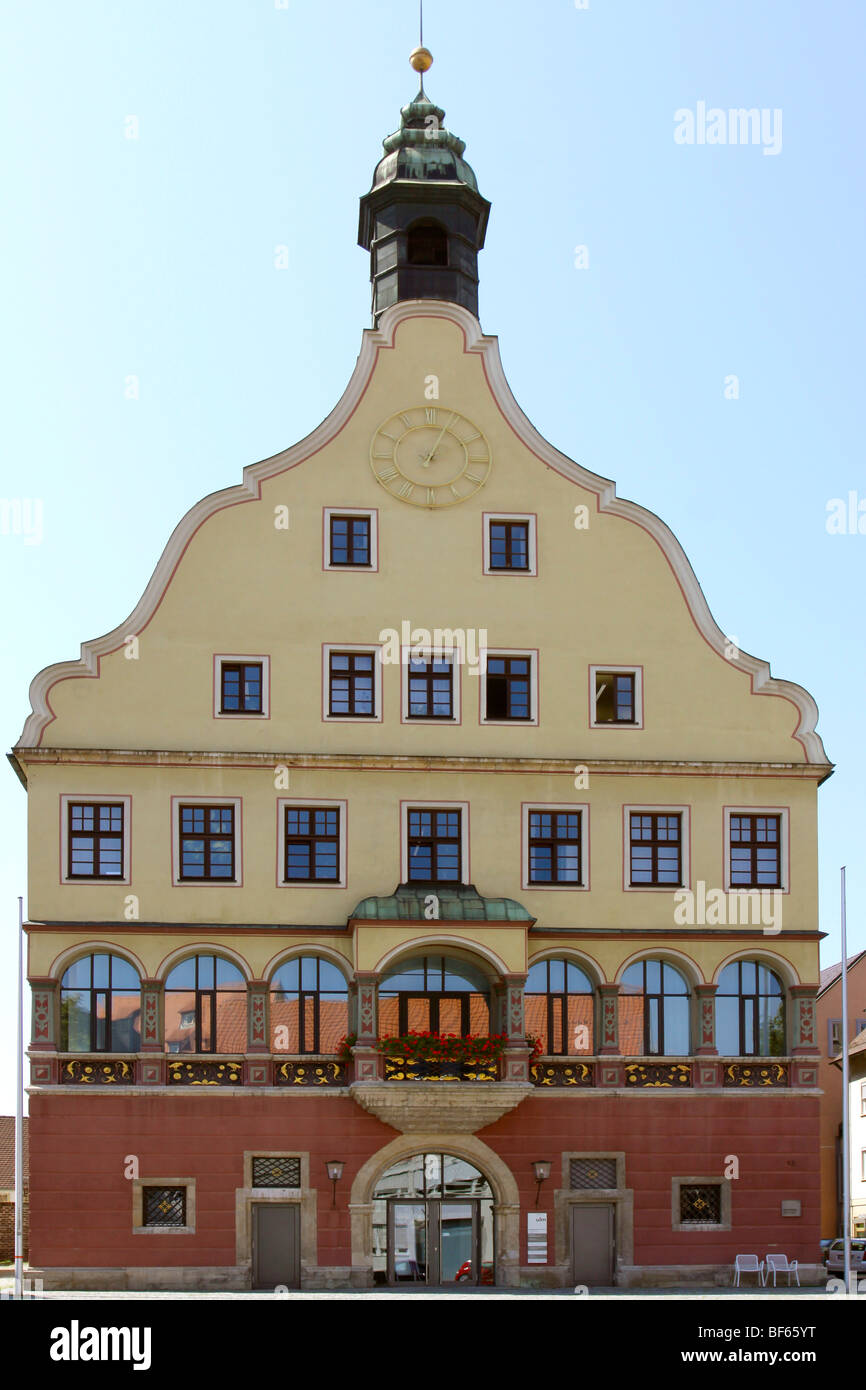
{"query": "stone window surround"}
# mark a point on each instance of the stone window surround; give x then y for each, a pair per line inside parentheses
(714, 1181)
(138, 1227)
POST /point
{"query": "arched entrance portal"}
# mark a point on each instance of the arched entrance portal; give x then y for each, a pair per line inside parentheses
(433, 1222)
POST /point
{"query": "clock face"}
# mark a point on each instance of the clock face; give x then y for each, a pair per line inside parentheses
(430, 456)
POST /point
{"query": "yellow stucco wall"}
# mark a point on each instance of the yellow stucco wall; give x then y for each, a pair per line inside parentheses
(604, 595)
(373, 800)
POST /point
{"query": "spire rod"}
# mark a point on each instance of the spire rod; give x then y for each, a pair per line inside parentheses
(421, 58)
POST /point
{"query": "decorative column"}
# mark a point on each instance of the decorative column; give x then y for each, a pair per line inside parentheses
(368, 1060)
(43, 1034)
(802, 1023)
(706, 1071)
(515, 1059)
(609, 1068)
(257, 1067)
(43, 1031)
(151, 1065)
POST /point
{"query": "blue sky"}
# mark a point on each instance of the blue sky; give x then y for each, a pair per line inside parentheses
(259, 127)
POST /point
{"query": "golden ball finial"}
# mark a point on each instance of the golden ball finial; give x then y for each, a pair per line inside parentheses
(421, 59)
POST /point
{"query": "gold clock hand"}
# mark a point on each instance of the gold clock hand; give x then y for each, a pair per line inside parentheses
(450, 422)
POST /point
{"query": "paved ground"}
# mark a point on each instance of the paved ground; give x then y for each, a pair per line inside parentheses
(687, 1294)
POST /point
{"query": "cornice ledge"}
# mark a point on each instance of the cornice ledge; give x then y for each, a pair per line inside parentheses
(372, 341)
(427, 762)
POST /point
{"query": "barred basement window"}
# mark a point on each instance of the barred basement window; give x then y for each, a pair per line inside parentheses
(701, 1206)
(586, 1173)
(164, 1206)
(276, 1172)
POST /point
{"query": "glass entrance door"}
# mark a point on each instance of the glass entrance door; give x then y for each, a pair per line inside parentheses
(433, 1223)
(436, 1242)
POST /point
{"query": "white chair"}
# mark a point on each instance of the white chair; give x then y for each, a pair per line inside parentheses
(780, 1264)
(748, 1264)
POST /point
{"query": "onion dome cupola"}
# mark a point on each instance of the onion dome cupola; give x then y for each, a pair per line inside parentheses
(423, 220)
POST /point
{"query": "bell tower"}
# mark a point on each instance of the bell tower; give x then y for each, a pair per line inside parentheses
(423, 220)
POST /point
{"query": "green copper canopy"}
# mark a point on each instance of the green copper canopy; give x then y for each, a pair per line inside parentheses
(410, 902)
(423, 149)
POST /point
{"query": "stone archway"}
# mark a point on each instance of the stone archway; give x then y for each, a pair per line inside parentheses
(506, 1207)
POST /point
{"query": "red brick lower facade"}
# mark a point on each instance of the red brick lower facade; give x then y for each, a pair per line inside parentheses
(86, 1150)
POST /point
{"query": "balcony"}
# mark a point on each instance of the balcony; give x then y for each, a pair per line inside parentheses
(483, 1083)
(420, 1082)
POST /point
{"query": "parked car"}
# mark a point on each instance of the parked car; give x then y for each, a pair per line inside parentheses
(835, 1257)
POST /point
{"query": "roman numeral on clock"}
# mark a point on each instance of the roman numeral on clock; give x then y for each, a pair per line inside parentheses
(406, 489)
(387, 474)
(430, 417)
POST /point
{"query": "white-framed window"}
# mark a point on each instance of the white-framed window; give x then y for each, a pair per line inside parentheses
(656, 848)
(509, 687)
(352, 682)
(241, 686)
(616, 697)
(756, 854)
(311, 843)
(555, 845)
(430, 682)
(350, 539)
(863, 1098)
(95, 834)
(510, 543)
(206, 840)
(434, 842)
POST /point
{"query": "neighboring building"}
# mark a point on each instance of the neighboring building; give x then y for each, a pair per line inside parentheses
(830, 1041)
(7, 1186)
(857, 1121)
(273, 806)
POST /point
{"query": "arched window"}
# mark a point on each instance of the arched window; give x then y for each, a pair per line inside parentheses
(750, 1011)
(100, 1006)
(434, 994)
(427, 244)
(654, 1010)
(309, 1006)
(559, 1007)
(205, 1006)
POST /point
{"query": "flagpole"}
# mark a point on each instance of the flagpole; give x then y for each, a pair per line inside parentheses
(846, 1103)
(19, 1114)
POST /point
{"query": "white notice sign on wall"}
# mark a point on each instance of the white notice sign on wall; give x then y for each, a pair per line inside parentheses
(536, 1237)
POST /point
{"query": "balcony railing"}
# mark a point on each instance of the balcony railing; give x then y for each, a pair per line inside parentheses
(655, 1072)
(410, 1069)
(106, 1070)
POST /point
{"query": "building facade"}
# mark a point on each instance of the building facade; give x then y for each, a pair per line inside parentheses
(830, 1038)
(420, 730)
(857, 1131)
